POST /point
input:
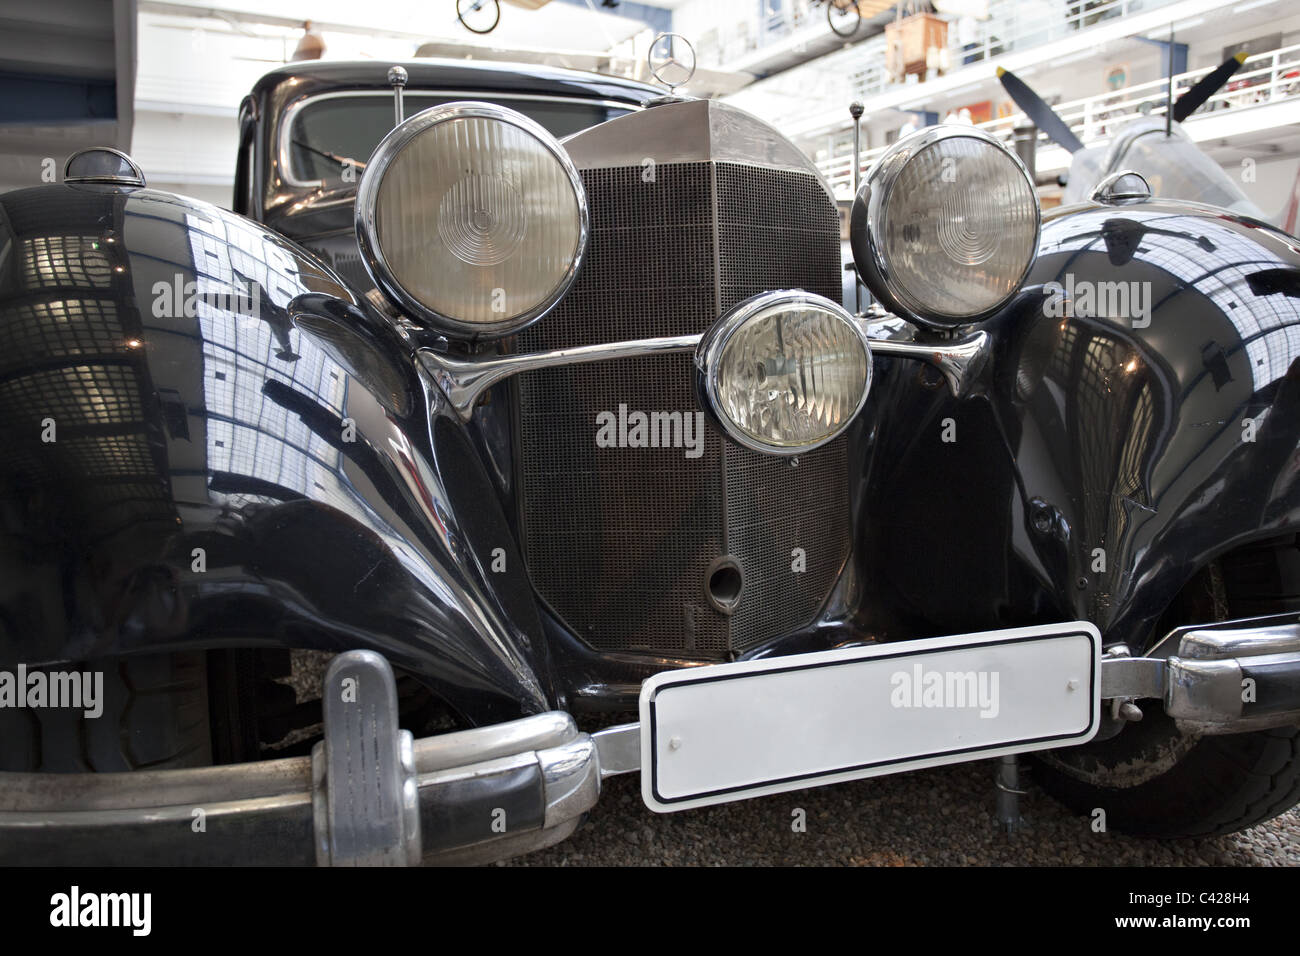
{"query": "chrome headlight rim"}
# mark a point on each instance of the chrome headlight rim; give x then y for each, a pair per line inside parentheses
(868, 215)
(712, 344)
(367, 226)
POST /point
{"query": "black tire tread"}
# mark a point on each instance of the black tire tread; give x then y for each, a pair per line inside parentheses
(1225, 783)
(1262, 795)
(155, 717)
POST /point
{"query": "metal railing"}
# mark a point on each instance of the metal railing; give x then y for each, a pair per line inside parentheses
(720, 46)
(1011, 25)
(859, 71)
(1014, 25)
(1264, 78)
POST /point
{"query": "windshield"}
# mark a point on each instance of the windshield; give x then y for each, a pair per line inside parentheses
(327, 133)
(1173, 166)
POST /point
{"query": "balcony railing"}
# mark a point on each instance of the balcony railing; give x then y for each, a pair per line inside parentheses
(1010, 25)
(859, 71)
(1014, 25)
(719, 47)
(1264, 78)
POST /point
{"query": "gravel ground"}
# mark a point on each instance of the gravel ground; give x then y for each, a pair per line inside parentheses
(941, 817)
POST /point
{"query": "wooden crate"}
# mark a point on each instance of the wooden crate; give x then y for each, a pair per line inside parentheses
(907, 40)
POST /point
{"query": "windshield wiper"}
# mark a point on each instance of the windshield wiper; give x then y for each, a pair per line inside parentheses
(341, 160)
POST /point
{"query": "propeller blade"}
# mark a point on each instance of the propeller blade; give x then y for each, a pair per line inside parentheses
(1207, 86)
(1038, 111)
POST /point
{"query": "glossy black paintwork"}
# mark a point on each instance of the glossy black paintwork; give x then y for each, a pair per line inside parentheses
(1089, 433)
(227, 430)
(224, 430)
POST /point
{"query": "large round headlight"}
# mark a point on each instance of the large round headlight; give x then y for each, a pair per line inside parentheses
(784, 372)
(472, 217)
(945, 226)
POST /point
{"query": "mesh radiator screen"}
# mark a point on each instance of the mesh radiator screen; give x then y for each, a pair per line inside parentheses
(619, 541)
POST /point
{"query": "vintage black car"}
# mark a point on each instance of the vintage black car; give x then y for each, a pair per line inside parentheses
(521, 395)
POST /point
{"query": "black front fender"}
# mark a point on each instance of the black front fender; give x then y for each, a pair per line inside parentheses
(1141, 416)
(210, 440)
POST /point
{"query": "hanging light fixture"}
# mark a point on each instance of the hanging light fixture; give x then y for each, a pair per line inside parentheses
(311, 46)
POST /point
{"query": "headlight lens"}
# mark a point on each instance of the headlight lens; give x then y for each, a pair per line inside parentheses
(784, 372)
(472, 216)
(945, 227)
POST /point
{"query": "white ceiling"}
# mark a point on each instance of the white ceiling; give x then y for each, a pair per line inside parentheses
(555, 25)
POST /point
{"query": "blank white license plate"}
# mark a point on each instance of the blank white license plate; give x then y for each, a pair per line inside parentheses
(733, 731)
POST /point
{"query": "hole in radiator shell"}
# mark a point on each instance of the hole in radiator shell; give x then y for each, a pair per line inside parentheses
(724, 583)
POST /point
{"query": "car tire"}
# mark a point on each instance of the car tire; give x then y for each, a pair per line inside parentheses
(154, 717)
(1150, 780)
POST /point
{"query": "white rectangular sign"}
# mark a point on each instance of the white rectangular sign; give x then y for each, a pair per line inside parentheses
(732, 731)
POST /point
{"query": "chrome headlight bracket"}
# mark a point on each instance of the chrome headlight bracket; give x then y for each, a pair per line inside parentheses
(378, 264)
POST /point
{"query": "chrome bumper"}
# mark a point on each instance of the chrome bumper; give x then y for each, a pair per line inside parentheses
(482, 795)
(486, 794)
(369, 794)
(1223, 678)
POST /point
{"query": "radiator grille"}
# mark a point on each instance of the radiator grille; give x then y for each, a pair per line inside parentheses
(342, 255)
(619, 540)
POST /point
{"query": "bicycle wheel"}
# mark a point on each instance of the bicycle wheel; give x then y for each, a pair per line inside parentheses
(479, 16)
(844, 20)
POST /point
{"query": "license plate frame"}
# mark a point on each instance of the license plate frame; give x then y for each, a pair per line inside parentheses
(727, 732)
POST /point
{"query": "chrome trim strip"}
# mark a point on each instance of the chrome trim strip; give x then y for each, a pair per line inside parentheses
(367, 225)
(462, 381)
(284, 136)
